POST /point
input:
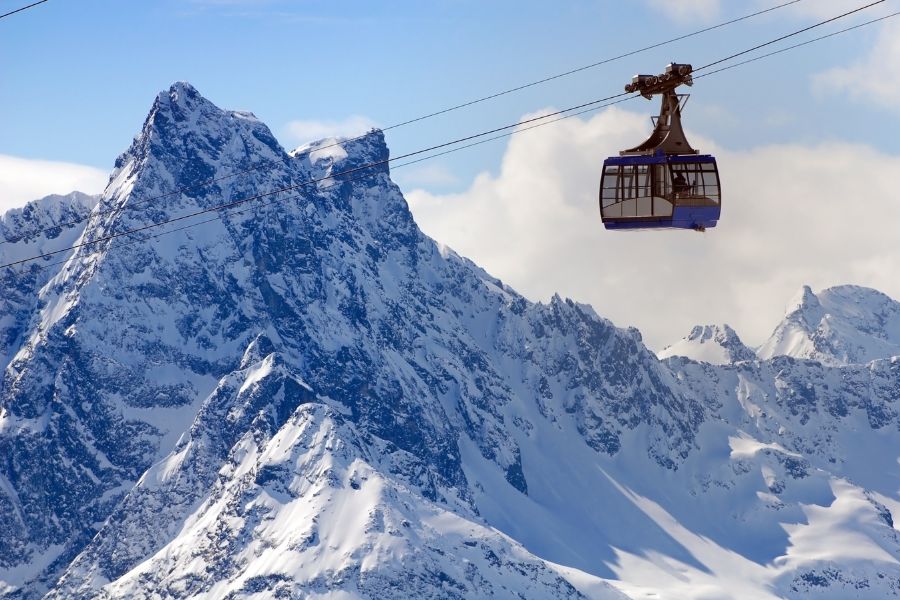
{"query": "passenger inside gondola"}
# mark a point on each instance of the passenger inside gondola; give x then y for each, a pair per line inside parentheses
(680, 184)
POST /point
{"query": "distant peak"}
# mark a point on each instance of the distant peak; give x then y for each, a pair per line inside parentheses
(805, 298)
(709, 332)
(182, 88)
(841, 325)
(716, 344)
(26, 222)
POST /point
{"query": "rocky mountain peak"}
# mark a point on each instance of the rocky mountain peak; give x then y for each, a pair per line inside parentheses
(805, 306)
(841, 325)
(186, 140)
(715, 344)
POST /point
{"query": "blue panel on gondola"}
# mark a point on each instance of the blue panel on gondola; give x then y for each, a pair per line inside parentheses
(658, 159)
(697, 218)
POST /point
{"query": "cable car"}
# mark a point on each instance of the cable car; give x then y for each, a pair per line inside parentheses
(663, 183)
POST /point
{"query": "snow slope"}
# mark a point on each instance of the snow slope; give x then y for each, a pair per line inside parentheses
(302, 504)
(311, 398)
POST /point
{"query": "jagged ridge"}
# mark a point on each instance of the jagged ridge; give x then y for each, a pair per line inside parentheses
(841, 325)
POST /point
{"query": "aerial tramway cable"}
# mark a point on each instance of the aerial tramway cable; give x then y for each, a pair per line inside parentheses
(593, 65)
(789, 35)
(20, 9)
(271, 163)
(794, 46)
(562, 114)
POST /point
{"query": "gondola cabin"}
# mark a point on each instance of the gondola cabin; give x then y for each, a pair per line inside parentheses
(660, 192)
(663, 183)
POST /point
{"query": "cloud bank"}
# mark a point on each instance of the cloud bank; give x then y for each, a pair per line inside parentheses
(23, 180)
(875, 79)
(688, 11)
(305, 131)
(792, 215)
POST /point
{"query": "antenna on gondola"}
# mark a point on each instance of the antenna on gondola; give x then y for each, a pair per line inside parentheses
(662, 183)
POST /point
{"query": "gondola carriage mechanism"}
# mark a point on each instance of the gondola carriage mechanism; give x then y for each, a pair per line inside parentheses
(663, 183)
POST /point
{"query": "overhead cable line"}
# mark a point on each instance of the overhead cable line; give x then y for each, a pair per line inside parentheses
(792, 34)
(565, 113)
(272, 163)
(18, 10)
(592, 65)
(807, 42)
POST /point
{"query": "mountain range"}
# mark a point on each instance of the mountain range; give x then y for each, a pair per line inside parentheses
(304, 396)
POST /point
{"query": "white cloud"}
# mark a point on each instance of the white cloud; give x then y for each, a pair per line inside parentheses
(876, 78)
(791, 215)
(428, 175)
(825, 9)
(22, 180)
(302, 132)
(688, 11)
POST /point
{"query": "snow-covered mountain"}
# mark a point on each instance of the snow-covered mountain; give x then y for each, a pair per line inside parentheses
(715, 344)
(309, 398)
(38, 227)
(839, 326)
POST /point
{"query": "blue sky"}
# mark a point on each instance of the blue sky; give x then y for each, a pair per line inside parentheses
(806, 141)
(79, 77)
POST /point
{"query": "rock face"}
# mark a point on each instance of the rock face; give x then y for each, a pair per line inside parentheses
(842, 325)
(305, 396)
(715, 344)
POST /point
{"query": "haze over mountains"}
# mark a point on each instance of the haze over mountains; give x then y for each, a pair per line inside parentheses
(311, 398)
